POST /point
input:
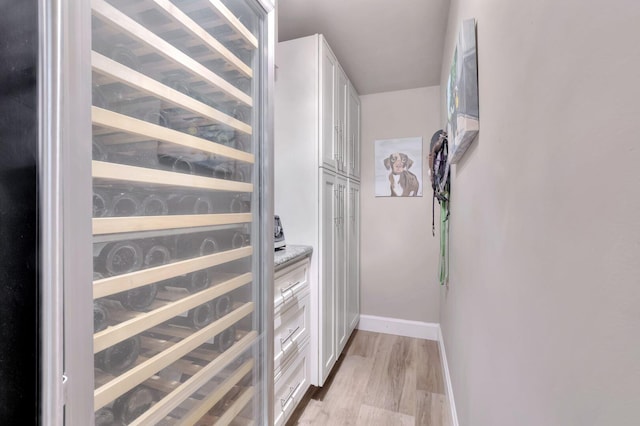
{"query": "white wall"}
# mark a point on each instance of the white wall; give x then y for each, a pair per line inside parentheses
(398, 253)
(542, 318)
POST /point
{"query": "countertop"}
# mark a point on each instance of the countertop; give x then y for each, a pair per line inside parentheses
(290, 254)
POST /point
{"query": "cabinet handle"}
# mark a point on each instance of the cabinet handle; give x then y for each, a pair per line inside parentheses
(336, 153)
(292, 390)
(336, 207)
(342, 205)
(352, 202)
(290, 288)
(340, 210)
(340, 144)
(291, 333)
(352, 161)
(343, 208)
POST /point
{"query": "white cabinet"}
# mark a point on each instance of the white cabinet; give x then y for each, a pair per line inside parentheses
(353, 133)
(328, 99)
(327, 287)
(353, 255)
(340, 262)
(341, 119)
(317, 119)
(292, 361)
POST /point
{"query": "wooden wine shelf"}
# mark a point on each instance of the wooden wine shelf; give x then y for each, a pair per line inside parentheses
(143, 131)
(113, 225)
(221, 17)
(235, 409)
(119, 283)
(137, 375)
(204, 405)
(190, 386)
(151, 345)
(221, 10)
(120, 73)
(112, 172)
(123, 23)
(173, 12)
(106, 238)
(145, 320)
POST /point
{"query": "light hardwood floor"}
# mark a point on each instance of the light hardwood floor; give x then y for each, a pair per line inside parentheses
(380, 379)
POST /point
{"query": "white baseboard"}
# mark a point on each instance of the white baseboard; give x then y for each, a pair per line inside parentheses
(447, 379)
(399, 327)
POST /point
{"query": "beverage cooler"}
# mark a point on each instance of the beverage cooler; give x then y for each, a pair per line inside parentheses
(154, 240)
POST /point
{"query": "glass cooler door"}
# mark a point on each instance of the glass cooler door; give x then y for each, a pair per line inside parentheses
(178, 94)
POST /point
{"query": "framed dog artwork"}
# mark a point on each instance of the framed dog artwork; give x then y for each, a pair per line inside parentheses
(398, 167)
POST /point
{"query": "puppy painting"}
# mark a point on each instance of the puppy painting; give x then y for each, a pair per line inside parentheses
(398, 167)
(403, 183)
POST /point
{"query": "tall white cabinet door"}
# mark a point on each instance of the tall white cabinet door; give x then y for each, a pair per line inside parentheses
(328, 120)
(353, 256)
(353, 137)
(340, 250)
(329, 200)
(341, 119)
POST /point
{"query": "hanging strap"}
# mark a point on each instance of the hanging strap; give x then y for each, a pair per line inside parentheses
(444, 243)
(433, 214)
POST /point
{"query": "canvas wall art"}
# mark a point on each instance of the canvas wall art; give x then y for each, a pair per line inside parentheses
(398, 167)
(462, 93)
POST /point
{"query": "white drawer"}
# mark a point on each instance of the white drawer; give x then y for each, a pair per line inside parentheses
(290, 281)
(291, 331)
(291, 386)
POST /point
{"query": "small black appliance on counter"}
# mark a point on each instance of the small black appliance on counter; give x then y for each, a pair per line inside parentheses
(278, 234)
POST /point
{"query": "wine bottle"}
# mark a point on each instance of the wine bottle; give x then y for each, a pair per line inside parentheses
(197, 280)
(242, 173)
(198, 317)
(100, 316)
(155, 116)
(239, 239)
(98, 98)
(119, 357)
(154, 205)
(104, 417)
(98, 151)
(125, 56)
(242, 113)
(120, 258)
(178, 84)
(157, 255)
(138, 299)
(125, 257)
(226, 339)
(101, 203)
(223, 171)
(191, 204)
(240, 203)
(176, 164)
(243, 83)
(222, 305)
(133, 404)
(125, 204)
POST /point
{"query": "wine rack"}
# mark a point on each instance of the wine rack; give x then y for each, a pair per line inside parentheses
(175, 208)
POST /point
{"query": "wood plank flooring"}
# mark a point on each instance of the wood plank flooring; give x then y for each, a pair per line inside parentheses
(380, 379)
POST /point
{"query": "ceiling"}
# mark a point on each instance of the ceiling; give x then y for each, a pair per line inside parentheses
(382, 45)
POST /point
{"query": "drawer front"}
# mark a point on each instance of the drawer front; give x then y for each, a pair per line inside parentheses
(290, 281)
(291, 387)
(291, 331)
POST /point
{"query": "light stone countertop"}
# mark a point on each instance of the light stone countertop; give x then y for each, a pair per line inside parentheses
(290, 254)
